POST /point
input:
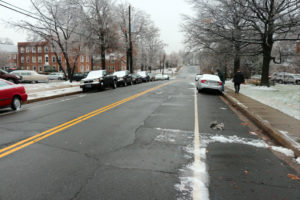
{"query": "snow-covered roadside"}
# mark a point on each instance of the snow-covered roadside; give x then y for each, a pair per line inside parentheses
(285, 98)
(49, 93)
(42, 90)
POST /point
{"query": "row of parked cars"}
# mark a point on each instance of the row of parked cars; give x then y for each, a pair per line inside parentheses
(99, 79)
(12, 95)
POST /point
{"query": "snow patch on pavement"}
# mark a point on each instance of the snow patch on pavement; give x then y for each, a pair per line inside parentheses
(49, 93)
(237, 140)
(284, 151)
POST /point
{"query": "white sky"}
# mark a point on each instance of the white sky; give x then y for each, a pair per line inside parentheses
(166, 15)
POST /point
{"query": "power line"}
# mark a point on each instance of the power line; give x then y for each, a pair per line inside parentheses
(80, 34)
(16, 7)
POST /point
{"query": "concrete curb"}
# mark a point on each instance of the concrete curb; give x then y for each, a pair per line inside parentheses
(51, 97)
(273, 133)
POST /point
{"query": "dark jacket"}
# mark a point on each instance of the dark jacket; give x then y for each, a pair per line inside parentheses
(221, 76)
(238, 78)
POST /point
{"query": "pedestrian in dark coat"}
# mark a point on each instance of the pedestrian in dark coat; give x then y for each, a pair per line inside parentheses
(222, 78)
(238, 78)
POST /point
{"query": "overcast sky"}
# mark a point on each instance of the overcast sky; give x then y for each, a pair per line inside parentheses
(166, 15)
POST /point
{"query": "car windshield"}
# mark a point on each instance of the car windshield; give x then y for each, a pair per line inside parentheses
(95, 74)
(120, 73)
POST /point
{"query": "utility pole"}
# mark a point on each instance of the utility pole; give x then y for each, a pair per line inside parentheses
(130, 44)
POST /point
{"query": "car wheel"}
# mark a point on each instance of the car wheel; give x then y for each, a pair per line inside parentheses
(84, 89)
(131, 83)
(199, 91)
(59, 78)
(114, 85)
(125, 83)
(16, 103)
(280, 81)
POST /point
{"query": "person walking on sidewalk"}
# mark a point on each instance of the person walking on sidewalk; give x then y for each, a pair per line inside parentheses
(238, 78)
(222, 78)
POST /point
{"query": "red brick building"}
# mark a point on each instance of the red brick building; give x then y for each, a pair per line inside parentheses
(40, 57)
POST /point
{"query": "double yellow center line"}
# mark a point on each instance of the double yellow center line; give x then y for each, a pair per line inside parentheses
(40, 136)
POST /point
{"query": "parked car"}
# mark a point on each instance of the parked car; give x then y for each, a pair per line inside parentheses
(210, 82)
(56, 76)
(11, 95)
(79, 76)
(255, 79)
(30, 76)
(136, 78)
(162, 77)
(197, 77)
(280, 77)
(151, 76)
(98, 79)
(144, 75)
(124, 77)
(9, 77)
(293, 79)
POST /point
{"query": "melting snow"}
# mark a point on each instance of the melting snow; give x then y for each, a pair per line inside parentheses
(298, 160)
(283, 150)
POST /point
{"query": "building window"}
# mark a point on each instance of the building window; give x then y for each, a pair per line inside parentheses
(46, 49)
(39, 49)
(15, 56)
(27, 59)
(40, 59)
(33, 50)
(59, 58)
(27, 49)
(28, 68)
(40, 68)
(53, 59)
(33, 59)
(46, 59)
(87, 59)
(34, 68)
(22, 59)
(22, 49)
(81, 59)
(81, 68)
(22, 67)
(87, 68)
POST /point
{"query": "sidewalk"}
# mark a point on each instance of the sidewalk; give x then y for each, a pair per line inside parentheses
(281, 127)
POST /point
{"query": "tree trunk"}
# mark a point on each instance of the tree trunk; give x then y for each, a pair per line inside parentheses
(237, 56)
(267, 49)
(103, 64)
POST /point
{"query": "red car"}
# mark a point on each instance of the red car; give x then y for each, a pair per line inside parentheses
(11, 95)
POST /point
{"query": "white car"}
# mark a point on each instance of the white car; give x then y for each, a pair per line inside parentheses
(56, 76)
(197, 77)
(209, 82)
(161, 77)
(31, 76)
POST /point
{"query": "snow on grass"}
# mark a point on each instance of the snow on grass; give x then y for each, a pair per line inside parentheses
(49, 93)
(29, 87)
(285, 98)
(284, 151)
(298, 160)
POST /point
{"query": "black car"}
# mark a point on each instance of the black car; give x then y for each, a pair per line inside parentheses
(79, 76)
(145, 76)
(98, 79)
(124, 77)
(136, 78)
(9, 77)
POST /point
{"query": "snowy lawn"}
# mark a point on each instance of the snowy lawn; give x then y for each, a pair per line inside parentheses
(285, 98)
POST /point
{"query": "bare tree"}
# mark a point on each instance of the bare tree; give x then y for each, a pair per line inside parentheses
(101, 23)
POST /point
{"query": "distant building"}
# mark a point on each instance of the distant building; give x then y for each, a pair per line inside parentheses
(8, 56)
(39, 56)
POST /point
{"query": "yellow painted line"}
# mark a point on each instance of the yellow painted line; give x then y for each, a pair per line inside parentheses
(24, 143)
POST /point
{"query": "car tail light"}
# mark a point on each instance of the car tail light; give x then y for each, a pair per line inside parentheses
(220, 83)
(203, 81)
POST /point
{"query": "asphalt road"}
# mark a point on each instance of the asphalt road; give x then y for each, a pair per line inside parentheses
(104, 145)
